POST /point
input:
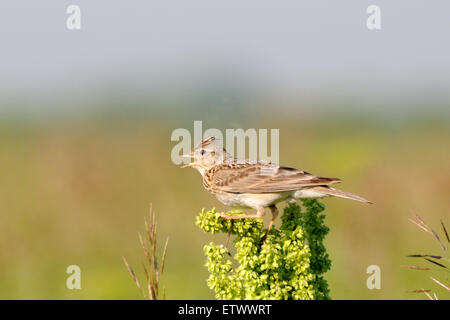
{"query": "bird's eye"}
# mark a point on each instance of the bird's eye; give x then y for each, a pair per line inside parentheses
(203, 152)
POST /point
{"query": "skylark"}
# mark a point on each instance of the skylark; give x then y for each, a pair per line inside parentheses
(257, 185)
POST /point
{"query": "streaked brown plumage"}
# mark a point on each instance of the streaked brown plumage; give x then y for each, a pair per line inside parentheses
(246, 184)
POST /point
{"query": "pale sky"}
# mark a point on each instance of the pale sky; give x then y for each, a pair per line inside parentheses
(287, 46)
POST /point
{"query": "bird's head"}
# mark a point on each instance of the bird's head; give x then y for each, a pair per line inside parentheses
(207, 154)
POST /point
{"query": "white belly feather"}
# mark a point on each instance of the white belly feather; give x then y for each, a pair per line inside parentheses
(251, 200)
(255, 200)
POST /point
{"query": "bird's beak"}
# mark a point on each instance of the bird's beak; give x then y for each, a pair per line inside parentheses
(190, 156)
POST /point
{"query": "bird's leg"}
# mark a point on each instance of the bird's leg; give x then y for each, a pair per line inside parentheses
(274, 211)
(259, 214)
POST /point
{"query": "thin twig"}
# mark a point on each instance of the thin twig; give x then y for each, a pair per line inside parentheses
(424, 255)
(436, 263)
(428, 295)
(415, 267)
(419, 225)
(445, 231)
(440, 283)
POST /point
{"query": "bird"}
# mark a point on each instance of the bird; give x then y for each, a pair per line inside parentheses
(256, 185)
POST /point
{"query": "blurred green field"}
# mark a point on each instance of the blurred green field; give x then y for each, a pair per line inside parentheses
(77, 192)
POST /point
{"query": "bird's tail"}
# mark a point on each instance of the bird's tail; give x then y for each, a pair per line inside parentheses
(339, 193)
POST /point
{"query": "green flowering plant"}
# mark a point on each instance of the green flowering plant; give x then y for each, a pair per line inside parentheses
(289, 264)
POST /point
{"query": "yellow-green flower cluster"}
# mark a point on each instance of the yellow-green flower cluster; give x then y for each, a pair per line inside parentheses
(278, 268)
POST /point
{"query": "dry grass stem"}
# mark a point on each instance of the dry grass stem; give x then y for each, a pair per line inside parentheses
(444, 261)
(152, 269)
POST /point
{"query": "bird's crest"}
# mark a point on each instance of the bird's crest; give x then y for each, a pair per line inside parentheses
(206, 142)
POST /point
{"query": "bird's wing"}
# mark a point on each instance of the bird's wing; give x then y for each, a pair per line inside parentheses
(263, 178)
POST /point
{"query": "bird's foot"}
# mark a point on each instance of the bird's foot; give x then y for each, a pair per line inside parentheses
(224, 216)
